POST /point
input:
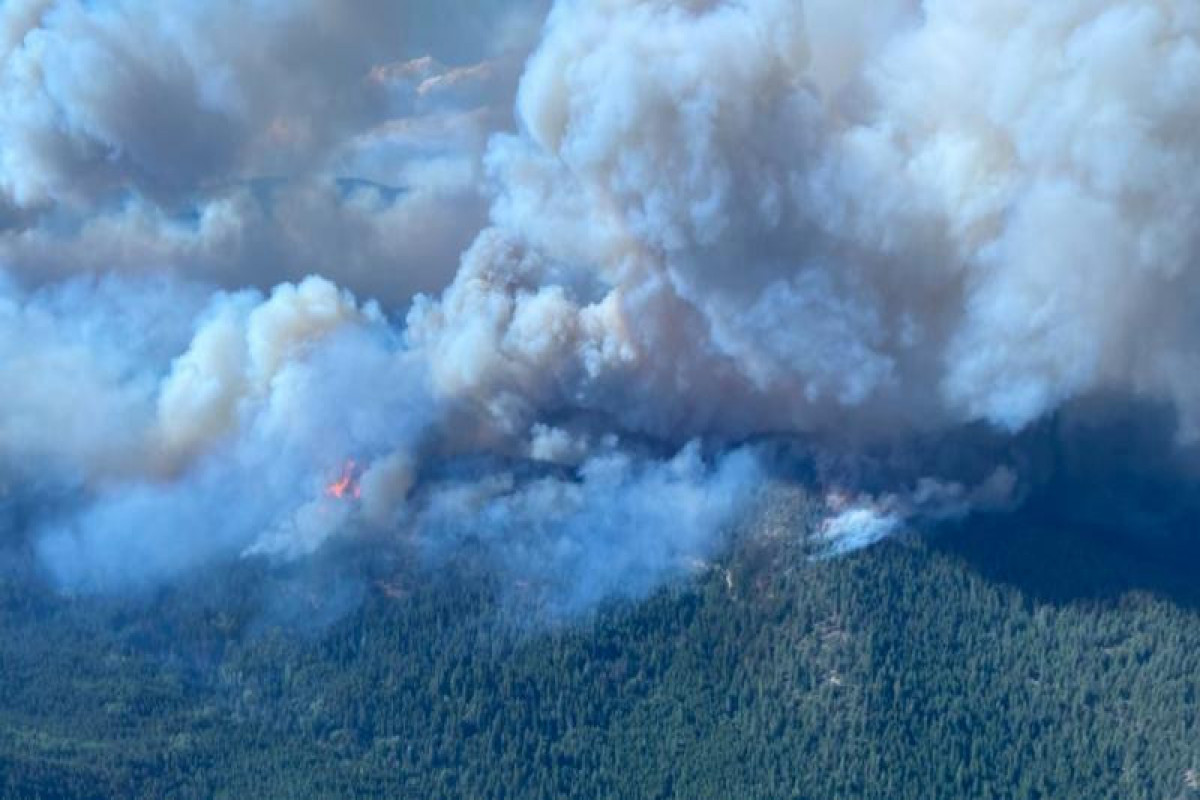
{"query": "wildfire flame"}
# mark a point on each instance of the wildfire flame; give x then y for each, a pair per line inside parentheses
(346, 485)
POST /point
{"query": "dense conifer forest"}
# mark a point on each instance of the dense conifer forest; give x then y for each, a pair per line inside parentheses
(998, 661)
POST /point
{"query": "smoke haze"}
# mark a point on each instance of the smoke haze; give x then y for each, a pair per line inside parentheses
(579, 267)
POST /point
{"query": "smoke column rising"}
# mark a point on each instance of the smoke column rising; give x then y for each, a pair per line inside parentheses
(711, 221)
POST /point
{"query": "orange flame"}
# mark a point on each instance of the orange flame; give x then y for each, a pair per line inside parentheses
(346, 486)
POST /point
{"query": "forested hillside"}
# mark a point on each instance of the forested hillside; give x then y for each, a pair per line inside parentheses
(998, 661)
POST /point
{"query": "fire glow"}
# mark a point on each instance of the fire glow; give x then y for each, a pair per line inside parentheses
(346, 485)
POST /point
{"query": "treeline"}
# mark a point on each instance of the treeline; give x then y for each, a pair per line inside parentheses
(988, 663)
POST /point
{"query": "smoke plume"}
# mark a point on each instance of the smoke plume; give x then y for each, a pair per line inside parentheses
(711, 225)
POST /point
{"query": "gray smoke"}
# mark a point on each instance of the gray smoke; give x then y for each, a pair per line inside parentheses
(711, 221)
(717, 220)
(251, 143)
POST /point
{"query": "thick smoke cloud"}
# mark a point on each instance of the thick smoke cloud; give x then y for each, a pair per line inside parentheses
(286, 419)
(619, 529)
(251, 143)
(229, 447)
(729, 228)
(711, 223)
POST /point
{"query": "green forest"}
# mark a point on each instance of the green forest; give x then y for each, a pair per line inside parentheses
(1000, 660)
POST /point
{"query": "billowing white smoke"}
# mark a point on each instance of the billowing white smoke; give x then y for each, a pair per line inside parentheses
(717, 220)
(247, 144)
(618, 530)
(289, 418)
(852, 523)
(232, 444)
(720, 217)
